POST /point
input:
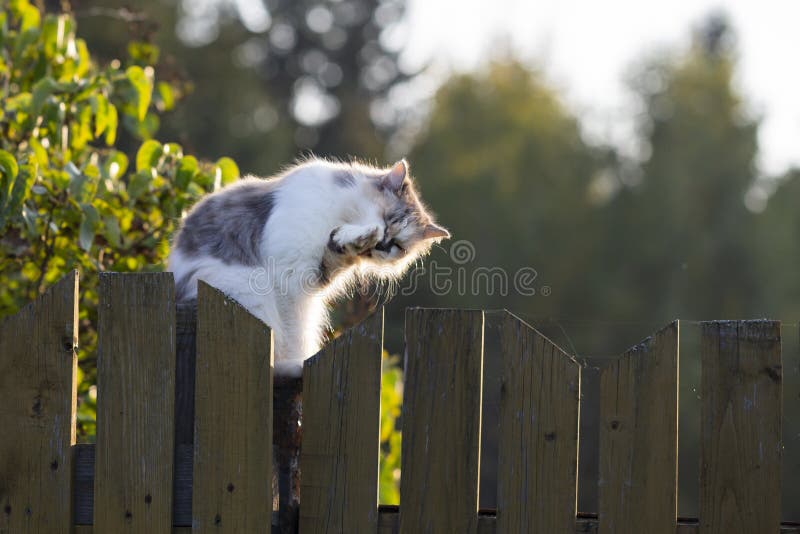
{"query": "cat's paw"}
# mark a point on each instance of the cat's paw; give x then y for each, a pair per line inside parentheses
(354, 240)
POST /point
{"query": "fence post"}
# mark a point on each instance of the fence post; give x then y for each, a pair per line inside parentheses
(232, 489)
(135, 403)
(341, 416)
(441, 421)
(37, 383)
(639, 438)
(538, 443)
(741, 387)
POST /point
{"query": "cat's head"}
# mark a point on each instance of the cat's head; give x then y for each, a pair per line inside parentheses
(410, 229)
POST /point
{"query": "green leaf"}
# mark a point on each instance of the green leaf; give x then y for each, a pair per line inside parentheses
(8, 165)
(46, 87)
(78, 183)
(20, 190)
(148, 155)
(226, 170)
(27, 14)
(88, 226)
(9, 169)
(143, 53)
(111, 231)
(139, 183)
(166, 96)
(173, 149)
(100, 110)
(115, 165)
(187, 169)
(112, 122)
(144, 89)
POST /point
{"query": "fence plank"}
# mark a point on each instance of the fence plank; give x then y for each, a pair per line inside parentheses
(37, 383)
(639, 438)
(135, 409)
(232, 489)
(740, 475)
(538, 446)
(341, 422)
(441, 421)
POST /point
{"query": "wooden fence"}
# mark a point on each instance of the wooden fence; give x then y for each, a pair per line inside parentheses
(138, 473)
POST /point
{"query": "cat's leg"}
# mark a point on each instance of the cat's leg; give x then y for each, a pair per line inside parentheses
(303, 318)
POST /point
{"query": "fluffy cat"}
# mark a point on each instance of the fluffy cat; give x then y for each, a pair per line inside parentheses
(284, 247)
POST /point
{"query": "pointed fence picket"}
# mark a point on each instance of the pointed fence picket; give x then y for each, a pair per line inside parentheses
(185, 425)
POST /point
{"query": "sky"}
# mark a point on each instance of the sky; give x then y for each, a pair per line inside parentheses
(586, 48)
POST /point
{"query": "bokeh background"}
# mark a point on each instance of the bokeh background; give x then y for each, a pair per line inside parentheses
(639, 164)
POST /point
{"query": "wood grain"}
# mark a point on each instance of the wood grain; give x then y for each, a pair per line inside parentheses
(639, 438)
(441, 421)
(135, 403)
(341, 422)
(232, 489)
(38, 387)
(740, 474)
(538, 445)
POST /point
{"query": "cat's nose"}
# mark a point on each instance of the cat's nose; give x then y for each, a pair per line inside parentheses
(384, 246)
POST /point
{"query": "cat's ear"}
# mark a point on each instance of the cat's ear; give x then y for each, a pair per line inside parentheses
(433, 231)
(394, 179)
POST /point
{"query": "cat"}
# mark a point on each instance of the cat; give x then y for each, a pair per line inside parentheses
(285, 247)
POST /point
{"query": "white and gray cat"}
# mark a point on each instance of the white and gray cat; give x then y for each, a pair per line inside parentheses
(286, 246)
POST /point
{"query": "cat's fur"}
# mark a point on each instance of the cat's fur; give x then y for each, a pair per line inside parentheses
(286, 246)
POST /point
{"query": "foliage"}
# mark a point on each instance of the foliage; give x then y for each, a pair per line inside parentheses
(69, 199)
(391, 437)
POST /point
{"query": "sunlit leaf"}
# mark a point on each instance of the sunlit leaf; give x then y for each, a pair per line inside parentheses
(100, 110)
(166, 96)
(144, 89)
(228, 170)
(112, 122)
(187, 169)
(148, 155)
(8, 165)
(143, 53)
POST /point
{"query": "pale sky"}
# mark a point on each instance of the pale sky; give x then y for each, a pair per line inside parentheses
(586, 48)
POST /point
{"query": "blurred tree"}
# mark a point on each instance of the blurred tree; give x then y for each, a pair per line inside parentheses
(690, 249)
(272, 80)
(503, 163)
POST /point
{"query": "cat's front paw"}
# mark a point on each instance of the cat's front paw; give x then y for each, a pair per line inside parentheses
(354, 240)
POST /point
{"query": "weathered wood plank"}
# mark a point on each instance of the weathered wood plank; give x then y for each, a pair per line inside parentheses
(441, 421)
(232, 489)
(740, 474)
(538, 446)
(341, 432)
(38, 387)
(135, 408)
(639, 438)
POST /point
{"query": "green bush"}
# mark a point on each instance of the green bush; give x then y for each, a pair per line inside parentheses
(72, 198)
(69, 197)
